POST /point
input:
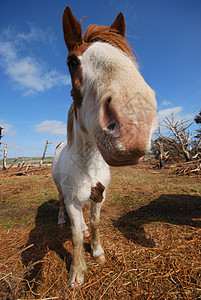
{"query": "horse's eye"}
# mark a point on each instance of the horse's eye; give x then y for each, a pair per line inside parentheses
(72, 62)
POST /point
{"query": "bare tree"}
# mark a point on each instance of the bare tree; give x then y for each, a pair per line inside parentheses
(198, 121)
(1, 134)
(4, 167)
(21, 165)
(160, 149)
(198, 118)
(13, 162)
(180, 138)
(163, 155)
(44, 152)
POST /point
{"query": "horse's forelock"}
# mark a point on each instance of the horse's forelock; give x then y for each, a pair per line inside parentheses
(96, 33)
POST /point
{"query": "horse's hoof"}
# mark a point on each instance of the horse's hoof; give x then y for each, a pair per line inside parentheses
(76, 281)
(86, 233)
(101, 259)
(61, 221)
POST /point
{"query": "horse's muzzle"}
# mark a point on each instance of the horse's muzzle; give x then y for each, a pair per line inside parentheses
(127, 130)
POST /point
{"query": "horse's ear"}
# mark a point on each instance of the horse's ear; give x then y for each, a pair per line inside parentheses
(71, 29)
(119, 24)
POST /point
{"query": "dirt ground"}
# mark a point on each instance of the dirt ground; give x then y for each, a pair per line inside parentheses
(150, 231)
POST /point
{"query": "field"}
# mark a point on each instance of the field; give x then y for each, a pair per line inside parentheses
(33, 160)
(150, 231)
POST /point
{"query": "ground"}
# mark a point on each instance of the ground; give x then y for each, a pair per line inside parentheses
(150, 231)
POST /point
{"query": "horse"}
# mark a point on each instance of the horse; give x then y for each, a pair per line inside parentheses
(110, 123)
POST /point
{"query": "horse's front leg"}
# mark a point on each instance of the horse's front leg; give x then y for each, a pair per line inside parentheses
(85, 228)
(61, 215)
(78, 265)
(62, 218)
(97, 198)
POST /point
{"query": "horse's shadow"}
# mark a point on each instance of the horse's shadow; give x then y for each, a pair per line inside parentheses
(44, 237)
(174, 209)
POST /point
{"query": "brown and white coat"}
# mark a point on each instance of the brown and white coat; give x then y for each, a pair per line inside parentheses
(110, 122)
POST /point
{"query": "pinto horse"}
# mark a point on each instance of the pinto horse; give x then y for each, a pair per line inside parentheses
(110, 122)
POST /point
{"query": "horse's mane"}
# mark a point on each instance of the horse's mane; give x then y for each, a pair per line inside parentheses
(96, 33)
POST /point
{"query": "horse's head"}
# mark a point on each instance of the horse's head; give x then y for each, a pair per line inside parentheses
(113, 104)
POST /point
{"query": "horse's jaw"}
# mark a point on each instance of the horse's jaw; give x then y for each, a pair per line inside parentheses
(118, 163)
(118, 158)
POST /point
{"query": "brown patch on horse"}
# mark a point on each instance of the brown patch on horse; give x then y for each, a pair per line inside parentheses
(76, 74)
(76, 79)
(97, 193)
(70, 125)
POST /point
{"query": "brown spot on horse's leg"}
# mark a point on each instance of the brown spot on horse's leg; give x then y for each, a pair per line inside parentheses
(97, 193)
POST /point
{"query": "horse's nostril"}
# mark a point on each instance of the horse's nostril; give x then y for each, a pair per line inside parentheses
(108, 100)
(111, 127)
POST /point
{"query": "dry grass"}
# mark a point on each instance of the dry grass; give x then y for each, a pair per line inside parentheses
(150, 230)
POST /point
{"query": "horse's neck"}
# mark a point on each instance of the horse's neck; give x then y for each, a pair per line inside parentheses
(83, 148)
(87, 159)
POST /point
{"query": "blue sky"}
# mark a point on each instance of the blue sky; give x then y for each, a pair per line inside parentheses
(34, 80)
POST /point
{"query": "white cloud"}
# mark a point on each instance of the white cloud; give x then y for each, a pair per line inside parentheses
(26, 72)
(8, 129)
(168, 112)
(52, 127)
(35, 34)
(177, 112)
(165, 103)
